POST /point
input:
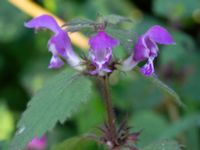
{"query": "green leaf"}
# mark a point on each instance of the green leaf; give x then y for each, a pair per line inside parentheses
(115, 19)
(78, 24)
(77, 28)
(79, 21)
(163, 87)
(131, 88)
(167, 89)
(182, 125)
(76, 143)
(55, 102)
(151, 124)
(126, 37)
(190, 87)
(4, 145)
(163, 145)
(95, 114)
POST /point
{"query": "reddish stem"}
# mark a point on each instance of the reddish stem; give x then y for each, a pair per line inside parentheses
(109, 109)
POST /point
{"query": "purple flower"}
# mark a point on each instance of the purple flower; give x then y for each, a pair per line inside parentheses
(37, 143)
(101, 46)
(146, 49)
(59, 44)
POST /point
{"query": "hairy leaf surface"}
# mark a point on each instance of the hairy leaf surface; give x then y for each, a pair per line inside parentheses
(55, 102)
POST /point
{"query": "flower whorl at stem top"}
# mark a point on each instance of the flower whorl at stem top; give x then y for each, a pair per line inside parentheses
(59, 44)
(100, 51)
(146, 49)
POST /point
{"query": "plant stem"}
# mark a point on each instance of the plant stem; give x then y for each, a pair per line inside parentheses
(109, 109)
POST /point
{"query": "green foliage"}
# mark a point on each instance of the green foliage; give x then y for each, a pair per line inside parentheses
(128, 92)
(182, 125)
(95, 112)
(3, 145)
(11, 24)
(163, 145)
(151, 86)
(81, 23)
(167, 89)
(163, 87)
(174, 9)
(177, 65)
(78, 24)
(151, 124)
(115, 19)
(76, 143)
(7, 122)
(55, 102)
(190, 90)
(126, 38)
(178, 53)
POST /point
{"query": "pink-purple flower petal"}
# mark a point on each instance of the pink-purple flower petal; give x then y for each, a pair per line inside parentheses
(146, 49)
(160, 35)
(102, 41)
(37, 143)
(43, 21)
(141, 51)
(148, 68)
(55, 62)
(100, 51)
(151, 46)
(59, 44)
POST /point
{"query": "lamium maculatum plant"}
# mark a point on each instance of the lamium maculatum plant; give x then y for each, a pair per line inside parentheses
(64, 94)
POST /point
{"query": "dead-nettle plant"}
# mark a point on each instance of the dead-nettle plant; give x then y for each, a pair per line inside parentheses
(64, 94)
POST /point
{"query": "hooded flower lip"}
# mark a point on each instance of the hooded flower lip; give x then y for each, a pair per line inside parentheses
(101, 46)
(146, 49)
(160, 35)
(102, 41)
(59, 44)
(43, 21)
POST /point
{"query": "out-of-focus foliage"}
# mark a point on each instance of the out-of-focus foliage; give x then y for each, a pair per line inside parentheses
(12, 19)
(178, 9)
(166, 145)
(76, 143)
(24, 59)
(7, 122)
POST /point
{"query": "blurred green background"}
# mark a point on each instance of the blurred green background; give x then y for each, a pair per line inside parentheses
(24, 59)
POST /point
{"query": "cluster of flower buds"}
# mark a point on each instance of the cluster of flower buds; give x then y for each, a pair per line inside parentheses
(100, 60)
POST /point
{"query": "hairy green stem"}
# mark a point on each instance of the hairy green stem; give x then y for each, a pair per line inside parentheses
(109, 109)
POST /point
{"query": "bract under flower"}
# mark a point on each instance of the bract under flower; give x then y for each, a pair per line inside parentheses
(101, 46)
(146, 49)
(59, 44)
